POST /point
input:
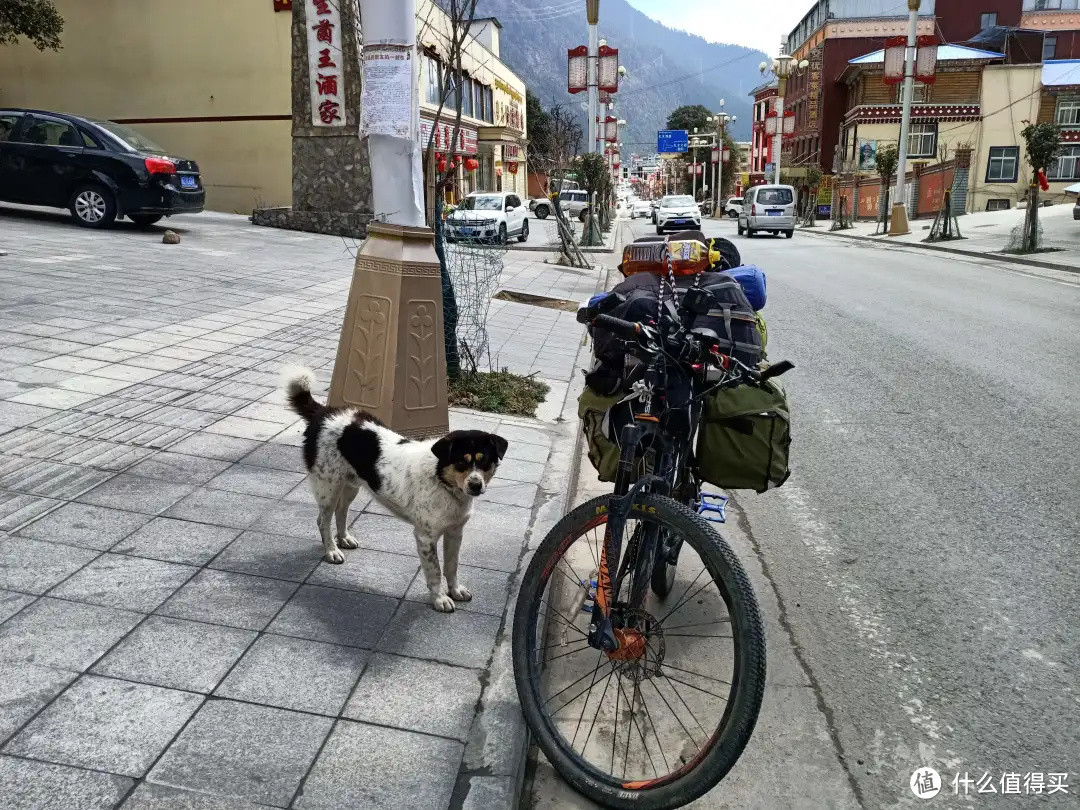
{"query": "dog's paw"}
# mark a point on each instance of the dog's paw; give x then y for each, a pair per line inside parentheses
(460, 594)
(348, 541)
(334, 557)
(443, 603)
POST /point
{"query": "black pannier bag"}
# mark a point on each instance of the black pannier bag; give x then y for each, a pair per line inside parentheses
(730, 321)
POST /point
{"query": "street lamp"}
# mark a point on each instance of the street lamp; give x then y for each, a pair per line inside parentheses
(783, 66)
(721, 119)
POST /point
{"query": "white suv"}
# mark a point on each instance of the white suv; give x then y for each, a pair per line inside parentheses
(677, 211)
(490, 216)
(732, 207)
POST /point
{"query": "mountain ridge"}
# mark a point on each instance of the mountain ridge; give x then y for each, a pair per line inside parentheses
(666, 67)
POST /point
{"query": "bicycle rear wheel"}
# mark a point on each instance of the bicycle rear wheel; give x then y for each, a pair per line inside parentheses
(660, 730)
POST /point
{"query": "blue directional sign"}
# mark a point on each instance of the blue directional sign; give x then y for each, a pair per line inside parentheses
(672, 140)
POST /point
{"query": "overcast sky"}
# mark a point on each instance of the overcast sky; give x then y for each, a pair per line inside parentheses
(755, 23)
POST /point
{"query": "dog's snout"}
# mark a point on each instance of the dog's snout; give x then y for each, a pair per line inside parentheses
(476, 487)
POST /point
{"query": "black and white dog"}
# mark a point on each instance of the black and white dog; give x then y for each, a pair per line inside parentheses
(430, 484)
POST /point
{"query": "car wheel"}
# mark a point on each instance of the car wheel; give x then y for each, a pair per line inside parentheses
(789, 234)
(741, 231)
(92, 206)
(524, 235)
(144, 220)
(749, 232)
(501, 238)
(659, 229)
(542, 212)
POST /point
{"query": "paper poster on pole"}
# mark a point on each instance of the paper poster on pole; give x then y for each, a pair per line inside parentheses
(386, 102)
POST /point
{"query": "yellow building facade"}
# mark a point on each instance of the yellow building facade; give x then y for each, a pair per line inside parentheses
(210, 81)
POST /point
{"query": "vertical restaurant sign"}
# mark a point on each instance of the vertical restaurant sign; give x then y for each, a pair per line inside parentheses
(326, 71)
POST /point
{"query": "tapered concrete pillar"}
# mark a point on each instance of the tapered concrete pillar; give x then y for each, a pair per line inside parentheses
(391, 357)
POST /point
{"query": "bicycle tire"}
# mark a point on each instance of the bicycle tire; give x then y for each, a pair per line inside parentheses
(748, 678)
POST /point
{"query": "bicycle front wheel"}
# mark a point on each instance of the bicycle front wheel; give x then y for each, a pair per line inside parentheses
(662, 727)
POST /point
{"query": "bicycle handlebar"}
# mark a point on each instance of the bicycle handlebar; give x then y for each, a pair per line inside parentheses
(627, 330)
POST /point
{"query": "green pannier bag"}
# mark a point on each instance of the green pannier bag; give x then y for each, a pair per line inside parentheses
(744, 437)
(603, 452)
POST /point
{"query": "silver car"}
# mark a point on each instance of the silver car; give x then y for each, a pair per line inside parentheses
(768, 208)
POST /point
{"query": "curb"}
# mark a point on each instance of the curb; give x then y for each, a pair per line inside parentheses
(998, 257)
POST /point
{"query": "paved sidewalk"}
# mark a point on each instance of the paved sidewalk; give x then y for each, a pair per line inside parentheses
(985, 235)
(168, 632)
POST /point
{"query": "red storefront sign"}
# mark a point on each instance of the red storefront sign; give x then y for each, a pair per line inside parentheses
(466, 141)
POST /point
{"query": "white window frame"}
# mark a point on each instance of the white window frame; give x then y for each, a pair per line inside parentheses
(924, 135)
(1052, 43)
(1067, 112)
(1067, 164)
(1007, 156)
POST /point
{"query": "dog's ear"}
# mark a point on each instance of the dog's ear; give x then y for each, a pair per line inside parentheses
(500, 445)
(444, 448)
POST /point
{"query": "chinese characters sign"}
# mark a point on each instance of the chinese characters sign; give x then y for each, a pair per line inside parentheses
(325, 63)
(466, 144)
(387, 96)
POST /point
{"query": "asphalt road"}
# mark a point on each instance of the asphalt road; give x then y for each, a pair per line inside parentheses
(924, 551)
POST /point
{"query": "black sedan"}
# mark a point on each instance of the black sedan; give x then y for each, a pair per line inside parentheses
(98, 170)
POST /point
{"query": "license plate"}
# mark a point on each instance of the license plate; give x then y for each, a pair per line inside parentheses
(775, 213)
(186, 181)
(468, 232)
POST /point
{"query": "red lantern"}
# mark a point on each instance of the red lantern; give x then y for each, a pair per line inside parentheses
(471, 164)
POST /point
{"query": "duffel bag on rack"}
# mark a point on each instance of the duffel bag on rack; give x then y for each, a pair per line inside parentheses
(603, 451)
(745, 437)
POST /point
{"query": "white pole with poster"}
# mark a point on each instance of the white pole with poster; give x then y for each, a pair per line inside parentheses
(898, 223)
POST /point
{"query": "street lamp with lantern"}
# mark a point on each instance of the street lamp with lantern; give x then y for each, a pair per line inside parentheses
(783, 67)
(721, 119)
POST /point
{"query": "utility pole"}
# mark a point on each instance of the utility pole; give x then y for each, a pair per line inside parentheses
(898, 226)
(722, 119)
(783, 67)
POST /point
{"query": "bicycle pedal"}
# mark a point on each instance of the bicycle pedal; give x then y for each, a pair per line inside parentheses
(719, 509)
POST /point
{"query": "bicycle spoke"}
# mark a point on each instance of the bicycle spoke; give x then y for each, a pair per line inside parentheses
(599, 706)
(641, 731)
(690, 635)
(563, 655)
(676, 716)
(698, 688)
(678, 602)
(687, 600)
(599, 660)
(656, 736)
(698, 674)
(696, 624)
(586, 704)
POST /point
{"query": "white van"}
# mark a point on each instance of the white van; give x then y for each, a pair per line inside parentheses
(768, 208)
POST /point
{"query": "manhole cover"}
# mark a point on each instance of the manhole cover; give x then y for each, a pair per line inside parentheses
(537, 300)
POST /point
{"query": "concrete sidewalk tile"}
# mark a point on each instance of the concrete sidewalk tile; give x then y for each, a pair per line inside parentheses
(371, 571)
(11, 603)
(33, 785)
(235, 600)
(24, 689)
(489, 590)
(376, 777)
(221, 508)
(293, 673)
(416, 695)
(526, 472)
(511, 493)
(225, 448)
(51, 397)
(382, 532)
(335, 616)
(99, 386)
(302, 493)
(243, 428)
(266, 751)
(159, 797)
(271, 555)
(13, 415)
(460, 638)
(178, 468)
(106, 725)
(489, 791)
(523, 451)
(252, 480)
(176, 653)
(119, 581)
(275, 456)
(515, 433)
(32, 566)
(136, 494)
(80, 524)
(120, 371)
(66, 635)
(294, 519)
(179, 541)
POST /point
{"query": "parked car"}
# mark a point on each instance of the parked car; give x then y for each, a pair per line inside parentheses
(678, 212)
(573, 202)
(98, 170)
(640, 208)
(768, 208)
(490, 216)
(732, 207)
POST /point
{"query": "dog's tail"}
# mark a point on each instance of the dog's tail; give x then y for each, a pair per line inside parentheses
(297, 382)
